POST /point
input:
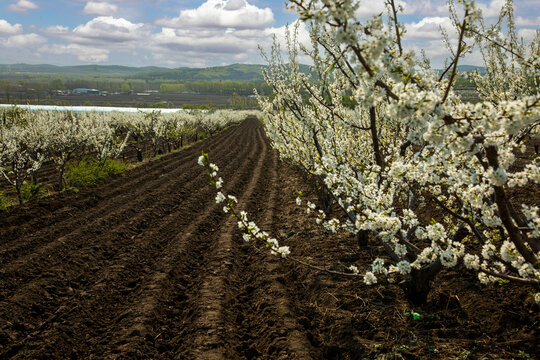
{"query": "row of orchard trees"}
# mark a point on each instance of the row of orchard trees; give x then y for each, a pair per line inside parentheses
(417, 171)
(30, 139)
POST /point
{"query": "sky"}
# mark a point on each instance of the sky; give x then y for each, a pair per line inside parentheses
(197, 33)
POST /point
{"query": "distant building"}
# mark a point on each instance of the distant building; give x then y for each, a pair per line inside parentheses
(86, 91)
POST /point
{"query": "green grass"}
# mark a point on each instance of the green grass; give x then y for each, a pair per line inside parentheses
(90, 172)
(4, 201)
(31, 191)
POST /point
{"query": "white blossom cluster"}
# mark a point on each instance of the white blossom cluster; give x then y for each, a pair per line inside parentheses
(405, 141)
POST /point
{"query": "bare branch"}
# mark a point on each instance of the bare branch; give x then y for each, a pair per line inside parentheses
(396, 26)
(512, 278)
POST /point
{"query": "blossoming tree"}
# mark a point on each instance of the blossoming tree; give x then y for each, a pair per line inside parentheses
(416, 170)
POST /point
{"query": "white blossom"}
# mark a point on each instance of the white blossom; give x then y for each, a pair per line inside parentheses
(377, 267)
(448, 258)
(219, 183)
(201, 160)
(220, 197)
(369, 278)
(471, 261)
(404, 267)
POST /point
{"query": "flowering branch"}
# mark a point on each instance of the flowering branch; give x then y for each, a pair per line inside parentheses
(253, 233)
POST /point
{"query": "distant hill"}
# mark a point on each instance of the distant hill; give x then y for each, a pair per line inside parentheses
(234, 72)
(470, 68)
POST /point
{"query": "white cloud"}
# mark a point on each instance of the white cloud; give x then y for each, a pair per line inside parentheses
(8, 29)
(302, 38)
(24, 41)
(428, 28)
(492, 9)
(434, 50)
(226, 43)
(281, 33)
(423, 7)
(410, 7)
(425, 36)
(23, 6)
(368, 9)
(11, 36)
(218, 31)
(100, 8)
(237, 14)
(94, 41)
(205, 47)
(84, 53)
(107, 29)
(197, 47)
(56, 30)
(521, 21)
(235, 5)
(527, 34)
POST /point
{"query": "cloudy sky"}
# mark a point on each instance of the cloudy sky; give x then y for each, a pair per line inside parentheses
(193, 33)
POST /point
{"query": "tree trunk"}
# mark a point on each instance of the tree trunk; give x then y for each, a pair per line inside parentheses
(418, 284)
(362, 238)
(61, 178)
(19, 195)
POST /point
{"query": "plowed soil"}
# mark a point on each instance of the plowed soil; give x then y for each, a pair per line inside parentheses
(148, 266)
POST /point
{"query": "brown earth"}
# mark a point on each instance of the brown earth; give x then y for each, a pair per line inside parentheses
(148, 266)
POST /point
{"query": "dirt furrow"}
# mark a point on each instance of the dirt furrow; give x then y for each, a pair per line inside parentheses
(122, 205)
(265, 325)
(126, 207)
(197, 241)
(128, 184)
(147, 253)
(210, 338)
(94, 203)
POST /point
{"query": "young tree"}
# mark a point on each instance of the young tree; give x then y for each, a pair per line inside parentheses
(22, 148)
(100, 134)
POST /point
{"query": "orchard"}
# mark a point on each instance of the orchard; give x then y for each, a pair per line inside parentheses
(30, 139)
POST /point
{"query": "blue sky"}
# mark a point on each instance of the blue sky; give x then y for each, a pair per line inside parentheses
(193, 33)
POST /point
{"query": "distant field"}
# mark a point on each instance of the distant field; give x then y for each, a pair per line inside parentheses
(173, 100)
